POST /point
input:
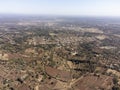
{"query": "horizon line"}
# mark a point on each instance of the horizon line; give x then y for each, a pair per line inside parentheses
(57, 15)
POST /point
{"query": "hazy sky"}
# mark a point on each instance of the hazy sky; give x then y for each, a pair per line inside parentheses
(61, 7)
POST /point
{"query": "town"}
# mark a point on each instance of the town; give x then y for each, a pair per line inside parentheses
(59, 53)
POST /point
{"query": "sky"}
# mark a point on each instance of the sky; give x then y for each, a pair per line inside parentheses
(61, 7)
